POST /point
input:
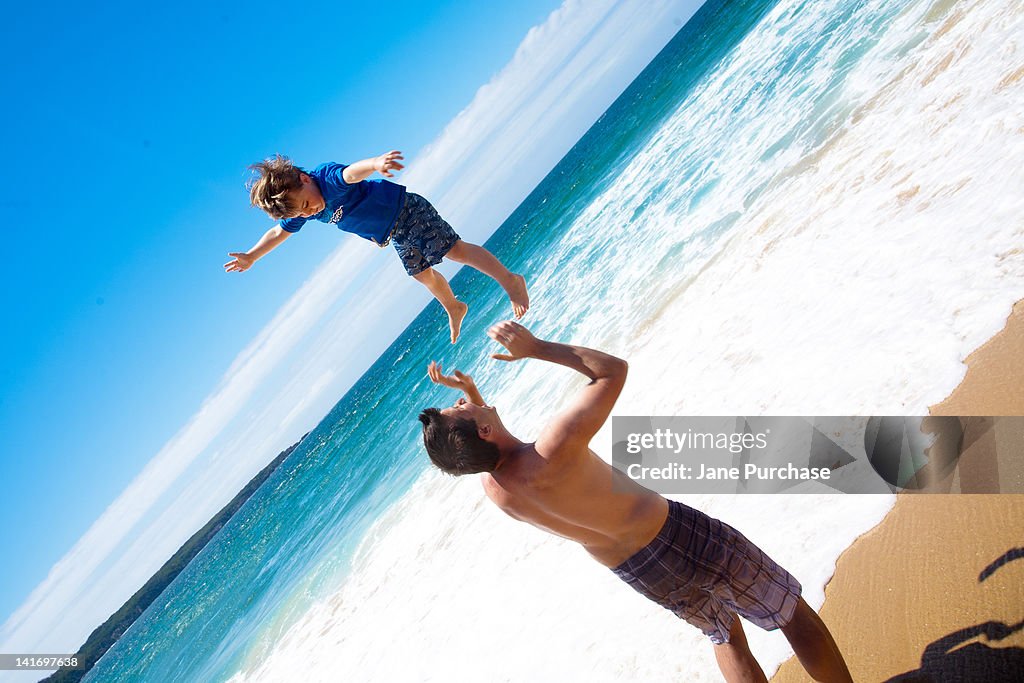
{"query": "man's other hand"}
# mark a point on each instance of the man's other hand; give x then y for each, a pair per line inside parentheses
(516, 339)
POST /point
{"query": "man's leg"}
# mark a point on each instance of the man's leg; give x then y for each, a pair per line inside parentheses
(735, 659)
(484, 261)
(442, 291)
(814, 646)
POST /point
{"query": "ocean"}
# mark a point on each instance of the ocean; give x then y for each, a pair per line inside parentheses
(798, 208)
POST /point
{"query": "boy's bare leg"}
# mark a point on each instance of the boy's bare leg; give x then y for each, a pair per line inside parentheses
(735, 660)
(814, 646)
(442, 291)
(484, 261)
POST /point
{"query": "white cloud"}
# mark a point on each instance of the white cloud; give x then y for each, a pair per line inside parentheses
(563, 76)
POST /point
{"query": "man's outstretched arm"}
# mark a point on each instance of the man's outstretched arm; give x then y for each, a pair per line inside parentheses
(593, 404)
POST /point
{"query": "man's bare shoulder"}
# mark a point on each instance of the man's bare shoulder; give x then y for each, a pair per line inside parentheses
(560, 451)
(495, 491)
(537, 467)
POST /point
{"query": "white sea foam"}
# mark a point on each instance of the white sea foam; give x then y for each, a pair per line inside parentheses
(866, 258)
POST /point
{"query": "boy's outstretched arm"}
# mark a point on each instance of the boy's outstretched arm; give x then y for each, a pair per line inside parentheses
(242, 261)
(575, 427)
(456, 380)
(384, 164)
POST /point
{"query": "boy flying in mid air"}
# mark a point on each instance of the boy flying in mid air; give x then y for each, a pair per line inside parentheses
(701, 569)
(377, 210)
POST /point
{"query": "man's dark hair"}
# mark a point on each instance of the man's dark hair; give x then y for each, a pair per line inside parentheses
(454, 445)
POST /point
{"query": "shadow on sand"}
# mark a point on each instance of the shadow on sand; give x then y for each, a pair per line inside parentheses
(950, 660)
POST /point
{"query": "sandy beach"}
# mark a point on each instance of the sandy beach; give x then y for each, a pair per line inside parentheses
(994, 384)
(799, 207)
(936, 590)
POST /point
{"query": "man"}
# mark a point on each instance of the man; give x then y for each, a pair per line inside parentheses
(703, 570)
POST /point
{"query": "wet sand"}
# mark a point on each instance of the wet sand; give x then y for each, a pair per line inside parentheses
(994, 384)
(938, 587)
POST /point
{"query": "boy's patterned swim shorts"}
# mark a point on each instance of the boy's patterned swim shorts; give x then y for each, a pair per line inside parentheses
(421, 236)
(707, 572)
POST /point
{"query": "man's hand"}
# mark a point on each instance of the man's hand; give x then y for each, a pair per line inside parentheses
(241, 262)
(385, 163)
(518, 340)
(456, 380)
(574, 427)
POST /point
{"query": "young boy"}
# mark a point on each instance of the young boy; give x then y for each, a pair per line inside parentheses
(377, 210)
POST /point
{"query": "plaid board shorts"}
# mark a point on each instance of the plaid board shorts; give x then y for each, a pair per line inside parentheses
(706, 572)
(421, 236)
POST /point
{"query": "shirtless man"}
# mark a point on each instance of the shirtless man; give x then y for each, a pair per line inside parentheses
(705, 571)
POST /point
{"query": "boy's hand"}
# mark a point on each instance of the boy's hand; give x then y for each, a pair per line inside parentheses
(386, 163)
(514, 337)
(241, 262)
(456, 380)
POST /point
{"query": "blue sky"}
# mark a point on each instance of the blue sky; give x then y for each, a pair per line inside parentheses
(131, 358)
(127, 144)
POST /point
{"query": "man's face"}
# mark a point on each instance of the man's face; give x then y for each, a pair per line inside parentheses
(478, 415)
(308, 200)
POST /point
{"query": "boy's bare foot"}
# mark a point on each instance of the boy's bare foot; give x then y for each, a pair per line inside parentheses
(455, 316)
(517, 293)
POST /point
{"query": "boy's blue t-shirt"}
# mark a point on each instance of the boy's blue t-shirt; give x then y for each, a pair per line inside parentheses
(368, 208)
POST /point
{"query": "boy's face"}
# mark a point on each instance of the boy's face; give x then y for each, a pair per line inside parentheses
(308, 200)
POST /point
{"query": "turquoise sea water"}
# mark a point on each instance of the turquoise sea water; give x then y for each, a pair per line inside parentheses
(747, 97)
(297, 532)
